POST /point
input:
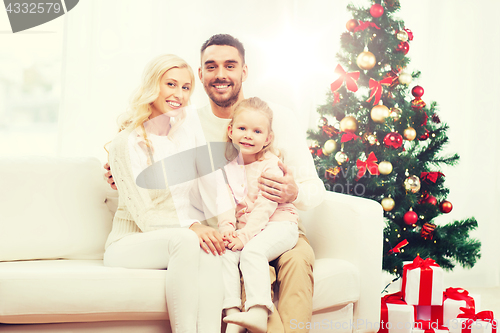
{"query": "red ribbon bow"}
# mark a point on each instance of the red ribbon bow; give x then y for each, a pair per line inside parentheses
(460, 294)
(349, 78)
(369, 164)
(363, 25)
(348, 136)
(430, 176)
(471, 317)
(421, 263)
(376, 89)
(397, 248)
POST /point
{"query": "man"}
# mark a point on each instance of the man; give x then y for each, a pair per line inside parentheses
(222, 72)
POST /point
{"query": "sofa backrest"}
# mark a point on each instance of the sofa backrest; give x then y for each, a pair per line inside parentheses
(52, 208)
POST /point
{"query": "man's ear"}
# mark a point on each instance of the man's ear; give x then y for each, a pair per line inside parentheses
(245, 73)
(200, 74)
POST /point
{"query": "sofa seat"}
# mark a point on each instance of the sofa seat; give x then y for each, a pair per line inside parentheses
(45, 291)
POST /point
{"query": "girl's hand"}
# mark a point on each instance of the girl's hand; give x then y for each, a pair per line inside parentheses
(109, 177)
(279, 189)
(210, 239)
(235, 244)
(229, 235)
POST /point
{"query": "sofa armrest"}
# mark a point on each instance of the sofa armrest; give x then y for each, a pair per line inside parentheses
(351, 228)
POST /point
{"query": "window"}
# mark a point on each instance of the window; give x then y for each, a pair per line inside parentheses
(30, 88)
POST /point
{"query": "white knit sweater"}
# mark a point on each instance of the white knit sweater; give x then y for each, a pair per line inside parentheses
(142, 209)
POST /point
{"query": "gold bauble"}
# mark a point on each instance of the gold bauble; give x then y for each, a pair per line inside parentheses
(410, 134)
(412, 184)
(402, 36)
(387, 204)
(405, 78)
(379, 113)
(341, 157)
(395, 113)
(329, 147)
(366, 60)
(385, 167)
(348, 124)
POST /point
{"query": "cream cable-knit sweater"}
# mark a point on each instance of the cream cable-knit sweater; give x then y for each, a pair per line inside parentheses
(140, 209)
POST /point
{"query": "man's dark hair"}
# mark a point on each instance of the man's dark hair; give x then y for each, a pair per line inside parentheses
(224, 39)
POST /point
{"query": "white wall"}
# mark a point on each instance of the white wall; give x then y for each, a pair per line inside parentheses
(291, 48)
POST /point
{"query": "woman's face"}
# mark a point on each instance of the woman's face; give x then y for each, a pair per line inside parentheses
(175, 90)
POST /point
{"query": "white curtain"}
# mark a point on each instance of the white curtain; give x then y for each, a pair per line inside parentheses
(291, 47)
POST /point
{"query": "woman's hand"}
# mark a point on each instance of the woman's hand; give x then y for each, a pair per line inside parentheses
(109, 177)
(210, 239)
(279, 189)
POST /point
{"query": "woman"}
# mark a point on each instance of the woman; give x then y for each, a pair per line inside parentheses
(151, 228)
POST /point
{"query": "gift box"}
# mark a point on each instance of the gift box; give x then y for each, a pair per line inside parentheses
(396, 316)
(453, 300)
(470, 322)
(422, 282)
(428, 326)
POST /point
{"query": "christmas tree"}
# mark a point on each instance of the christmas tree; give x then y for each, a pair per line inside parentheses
(378, 139)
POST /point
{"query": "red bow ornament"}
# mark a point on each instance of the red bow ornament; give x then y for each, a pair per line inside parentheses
(430, 176)
(348, 136)
(349, 79)
(366, 24)
(376, 89)
(397, 248)
(370, 165)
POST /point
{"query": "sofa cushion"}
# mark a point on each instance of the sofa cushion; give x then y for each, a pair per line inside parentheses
(44, 291)
(52, 208)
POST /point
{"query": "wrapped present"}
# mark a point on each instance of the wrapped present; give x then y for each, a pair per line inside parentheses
(428, 326)
(422, 282)
(471, 322)
(453, 300)
(396, 316)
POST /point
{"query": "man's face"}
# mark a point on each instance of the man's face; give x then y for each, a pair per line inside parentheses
(222, 72)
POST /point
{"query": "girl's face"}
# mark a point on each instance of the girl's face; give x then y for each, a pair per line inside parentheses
(250, 131)
(175, 90)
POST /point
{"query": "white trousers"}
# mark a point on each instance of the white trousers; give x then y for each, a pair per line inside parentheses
(194, 289)
(253, 259)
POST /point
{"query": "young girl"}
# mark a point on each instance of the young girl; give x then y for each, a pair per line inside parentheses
(258, 230)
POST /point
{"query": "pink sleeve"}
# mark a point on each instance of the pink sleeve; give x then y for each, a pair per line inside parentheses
(262, 210)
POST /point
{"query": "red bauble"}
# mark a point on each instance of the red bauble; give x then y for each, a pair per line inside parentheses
(319, 152)
(403, 47)
(424, 136)
(376, 10)
(445, 207)
(351, 25)
(417, 91)
(410, 217)
(394, 140)
(430, 200)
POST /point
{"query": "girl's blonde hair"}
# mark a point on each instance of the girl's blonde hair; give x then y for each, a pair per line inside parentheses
(148, 91)
(255, 104)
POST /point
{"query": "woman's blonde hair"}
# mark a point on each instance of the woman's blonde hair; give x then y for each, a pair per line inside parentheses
(148, 91)
(255, 104)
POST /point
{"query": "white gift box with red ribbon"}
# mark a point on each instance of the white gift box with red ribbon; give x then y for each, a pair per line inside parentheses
(422, 282)
(471, 322)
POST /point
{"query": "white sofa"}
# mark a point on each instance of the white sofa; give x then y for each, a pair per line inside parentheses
(54, 221)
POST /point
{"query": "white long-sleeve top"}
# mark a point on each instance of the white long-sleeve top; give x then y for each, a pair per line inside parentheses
(159, 205)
